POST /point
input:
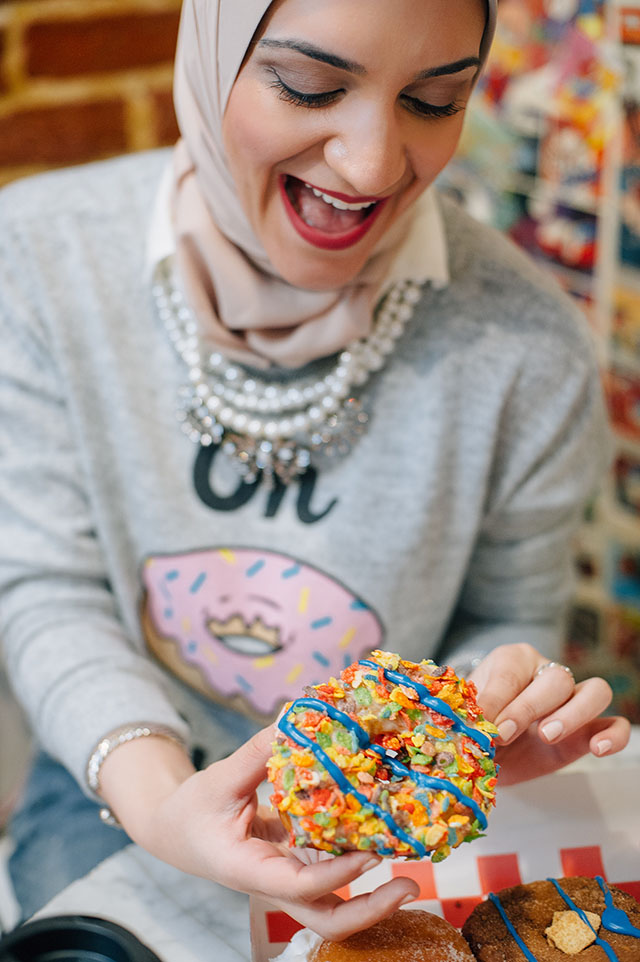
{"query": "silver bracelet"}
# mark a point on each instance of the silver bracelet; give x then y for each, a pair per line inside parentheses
(108, 744)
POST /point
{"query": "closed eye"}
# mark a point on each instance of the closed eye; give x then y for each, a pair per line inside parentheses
(433, 110)
(288, 94)
(300, 98)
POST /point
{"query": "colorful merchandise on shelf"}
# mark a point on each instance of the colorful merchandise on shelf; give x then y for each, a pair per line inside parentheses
(551, 155)
(623, 391)
(626, 472)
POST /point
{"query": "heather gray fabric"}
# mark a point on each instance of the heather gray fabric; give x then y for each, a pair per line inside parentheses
(452, 517)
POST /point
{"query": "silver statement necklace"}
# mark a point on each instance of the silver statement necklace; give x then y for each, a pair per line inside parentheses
(276, 430)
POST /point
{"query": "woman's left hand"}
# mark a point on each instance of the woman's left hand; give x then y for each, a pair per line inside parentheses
(545, 719)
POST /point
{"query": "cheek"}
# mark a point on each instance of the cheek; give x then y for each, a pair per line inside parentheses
(434, 152)
(255, 137)
(246, 142)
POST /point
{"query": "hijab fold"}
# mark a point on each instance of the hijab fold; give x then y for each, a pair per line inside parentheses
(243, 308)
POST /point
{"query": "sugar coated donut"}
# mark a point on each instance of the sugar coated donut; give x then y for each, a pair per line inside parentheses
(556, 920)
(395, 758)
(409, 935)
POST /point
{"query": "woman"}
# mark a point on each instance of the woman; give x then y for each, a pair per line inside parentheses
(396, 422)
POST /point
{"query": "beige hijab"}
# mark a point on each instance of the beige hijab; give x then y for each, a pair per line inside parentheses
(243, 308)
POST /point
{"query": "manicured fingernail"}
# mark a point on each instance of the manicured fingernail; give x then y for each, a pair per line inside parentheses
(603, 747)
(507, 729)
(371, 863)
(552, 730)
(407, 899)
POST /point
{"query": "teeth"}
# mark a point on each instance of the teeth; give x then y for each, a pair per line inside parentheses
(339, 204)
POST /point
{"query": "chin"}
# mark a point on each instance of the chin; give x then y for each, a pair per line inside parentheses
(317, 273)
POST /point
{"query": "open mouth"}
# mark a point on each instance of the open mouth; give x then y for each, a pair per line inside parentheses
(255, 640)
(327, 220)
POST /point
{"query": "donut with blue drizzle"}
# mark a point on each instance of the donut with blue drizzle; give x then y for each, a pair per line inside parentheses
(511, 925)
(395, 757)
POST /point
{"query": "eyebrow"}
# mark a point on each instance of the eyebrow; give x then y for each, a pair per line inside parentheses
(449, 68)
(316, 53)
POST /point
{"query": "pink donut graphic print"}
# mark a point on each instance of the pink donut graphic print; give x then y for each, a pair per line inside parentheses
(250, 627)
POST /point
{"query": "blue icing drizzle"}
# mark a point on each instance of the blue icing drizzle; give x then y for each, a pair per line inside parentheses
(297, 736)
(572, 905)
(437, 704)
(507, 921)
(613, 918)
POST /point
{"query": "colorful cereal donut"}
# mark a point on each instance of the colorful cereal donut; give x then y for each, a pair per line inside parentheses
(395, 758)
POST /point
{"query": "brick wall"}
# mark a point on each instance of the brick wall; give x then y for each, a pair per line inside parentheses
(83, 79)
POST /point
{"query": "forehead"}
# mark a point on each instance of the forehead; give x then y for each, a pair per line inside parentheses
(381, 30)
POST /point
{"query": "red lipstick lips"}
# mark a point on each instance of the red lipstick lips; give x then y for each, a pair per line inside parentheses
(331, 240)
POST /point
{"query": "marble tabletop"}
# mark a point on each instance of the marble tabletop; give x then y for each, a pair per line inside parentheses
(188, 919)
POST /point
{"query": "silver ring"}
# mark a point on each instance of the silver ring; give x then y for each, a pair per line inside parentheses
(554, 664)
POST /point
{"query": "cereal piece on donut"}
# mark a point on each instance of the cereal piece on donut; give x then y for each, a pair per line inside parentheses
(395, 758)
(409, 935)
(570, 934)
(513, 924)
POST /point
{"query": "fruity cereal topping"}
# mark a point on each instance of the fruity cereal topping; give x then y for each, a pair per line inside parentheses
(394, 757)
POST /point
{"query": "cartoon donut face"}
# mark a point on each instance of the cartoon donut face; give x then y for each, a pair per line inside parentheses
(252, 627)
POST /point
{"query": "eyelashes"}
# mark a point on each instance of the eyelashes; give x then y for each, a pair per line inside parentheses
(291, 96)
(433, 110)
(324, 99)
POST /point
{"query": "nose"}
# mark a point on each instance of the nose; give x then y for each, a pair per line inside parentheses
(368, 152)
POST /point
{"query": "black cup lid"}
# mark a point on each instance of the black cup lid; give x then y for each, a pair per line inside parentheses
(73, 938)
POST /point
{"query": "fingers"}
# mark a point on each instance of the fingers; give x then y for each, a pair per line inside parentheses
(242, 772)
(543, 695)
(545, 718)
(289, 878)
(502, 675)
(589, 699)
(531, 757)
(335, 919)
(611, 735)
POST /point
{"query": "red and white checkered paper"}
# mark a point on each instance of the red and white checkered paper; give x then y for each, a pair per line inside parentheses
(564, 824)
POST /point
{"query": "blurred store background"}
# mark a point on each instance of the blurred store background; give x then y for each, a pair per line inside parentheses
(551, 155)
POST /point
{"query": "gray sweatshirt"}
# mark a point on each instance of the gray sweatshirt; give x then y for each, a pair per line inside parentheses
(141, 581)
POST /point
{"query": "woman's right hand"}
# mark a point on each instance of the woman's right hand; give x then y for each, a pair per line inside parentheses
(209, 824)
